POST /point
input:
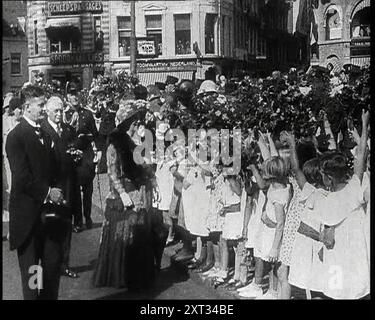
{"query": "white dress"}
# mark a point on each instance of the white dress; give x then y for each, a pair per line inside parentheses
(215, 221)
(305, 268)
(347, 265)
(165, 181)
(366, 185)
(233, 221)
(255, 219)
(265, 235)
(196, 200)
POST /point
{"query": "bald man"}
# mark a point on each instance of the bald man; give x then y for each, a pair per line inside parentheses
(64, 137)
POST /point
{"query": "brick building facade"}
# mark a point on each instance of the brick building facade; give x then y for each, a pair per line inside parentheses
(79, 39)
(343, 32)
(14, 41)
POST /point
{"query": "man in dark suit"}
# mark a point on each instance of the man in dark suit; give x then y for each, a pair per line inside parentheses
(84, 123)
(34, 185)
(64, 138)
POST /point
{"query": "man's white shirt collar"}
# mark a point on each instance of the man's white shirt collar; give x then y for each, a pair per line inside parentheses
(31, 122)
(53, 125)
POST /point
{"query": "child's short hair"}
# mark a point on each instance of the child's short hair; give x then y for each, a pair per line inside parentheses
(311, 170)
(305, 151)
(275, 169)
(335, 164)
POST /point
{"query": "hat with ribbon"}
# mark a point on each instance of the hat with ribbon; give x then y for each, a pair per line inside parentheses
(130, 108)
(8, 97)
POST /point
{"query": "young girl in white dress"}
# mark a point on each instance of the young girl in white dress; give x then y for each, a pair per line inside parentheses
(306, 268)
(232, 227)
(347, 264)
(165, 182)
(269, 235)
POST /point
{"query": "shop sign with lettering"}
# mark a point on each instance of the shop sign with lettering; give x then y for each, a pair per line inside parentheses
(155, 66)
(74, 7)
(146, 47)
(81, 58)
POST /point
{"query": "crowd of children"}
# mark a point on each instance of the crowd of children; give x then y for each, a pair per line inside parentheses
(299, 218)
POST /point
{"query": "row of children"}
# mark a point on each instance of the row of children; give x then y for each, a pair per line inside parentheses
(301, 216)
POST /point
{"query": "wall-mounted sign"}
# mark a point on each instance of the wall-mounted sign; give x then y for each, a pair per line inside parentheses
(80, 58)
(74, 7)
(146, 47)
(156, 66)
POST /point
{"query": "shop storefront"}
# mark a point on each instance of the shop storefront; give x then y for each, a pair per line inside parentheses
(68, 40)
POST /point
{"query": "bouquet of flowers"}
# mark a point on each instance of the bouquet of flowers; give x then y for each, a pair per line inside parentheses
(76, 154)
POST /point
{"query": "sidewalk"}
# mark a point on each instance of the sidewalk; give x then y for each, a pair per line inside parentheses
(224, 293)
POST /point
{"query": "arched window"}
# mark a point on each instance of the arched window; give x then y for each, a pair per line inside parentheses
(333, 24)
(361, 23)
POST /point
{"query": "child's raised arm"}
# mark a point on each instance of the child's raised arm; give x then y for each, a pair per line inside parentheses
(327, 128)
(360, 161)
(264, 150)
(273, 150)
(258, 177)
(300, 177)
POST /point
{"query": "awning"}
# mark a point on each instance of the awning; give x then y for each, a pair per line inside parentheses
(147, 78)
(63, 23)
(360, 61)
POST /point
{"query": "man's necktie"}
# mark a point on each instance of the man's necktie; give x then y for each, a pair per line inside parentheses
(59, 130)
(38, 133)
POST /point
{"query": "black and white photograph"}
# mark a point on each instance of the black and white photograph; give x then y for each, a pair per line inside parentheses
(200, 151)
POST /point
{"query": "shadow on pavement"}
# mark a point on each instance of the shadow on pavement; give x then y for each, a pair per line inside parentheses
(165, 279)
(89, 267)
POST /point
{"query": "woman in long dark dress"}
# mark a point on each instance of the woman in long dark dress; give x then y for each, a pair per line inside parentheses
(126, 255)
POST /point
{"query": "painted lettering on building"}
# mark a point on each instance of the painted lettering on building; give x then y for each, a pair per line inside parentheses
(74, 7)
(78, 58)
(166, 66)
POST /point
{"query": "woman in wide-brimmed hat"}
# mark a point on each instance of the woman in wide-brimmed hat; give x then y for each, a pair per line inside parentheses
(126, 255)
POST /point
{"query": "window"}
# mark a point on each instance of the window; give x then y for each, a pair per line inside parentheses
(210, 33)
(36, 48)
(124, 31)
(154, 31)
(15, 63)
(97, 24)
(99, 34)
(361, 23)
(182, 34)
(64, 44)
(261, 47)
(333, 25)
